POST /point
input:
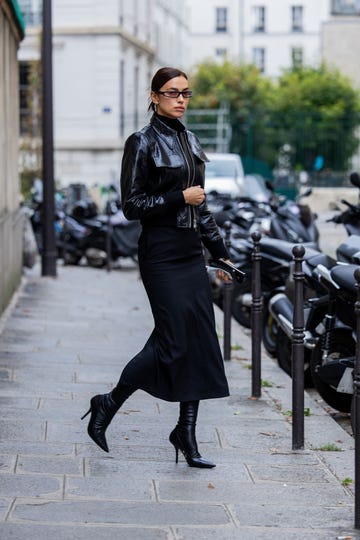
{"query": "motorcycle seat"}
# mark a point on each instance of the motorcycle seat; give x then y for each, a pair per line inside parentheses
(344, 276)
(320, 258)
(349, 248)
(283, 249)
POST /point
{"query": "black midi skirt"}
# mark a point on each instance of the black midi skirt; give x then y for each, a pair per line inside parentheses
(181, 361)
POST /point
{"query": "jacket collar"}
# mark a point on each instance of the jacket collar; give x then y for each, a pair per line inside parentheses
(169, 136)
(164, 131)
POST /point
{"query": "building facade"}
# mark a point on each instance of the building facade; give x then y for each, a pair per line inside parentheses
(274, 35)
(103, 60)
(341, 38)
(11, 226)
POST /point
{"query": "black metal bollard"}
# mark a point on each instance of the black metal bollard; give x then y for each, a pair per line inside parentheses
(108, 237)
(64, 235)
(227, 300)
(356, 408)
(256, 317)
(297, 364)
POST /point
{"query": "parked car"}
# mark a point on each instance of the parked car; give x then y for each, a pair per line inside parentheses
(224, 174)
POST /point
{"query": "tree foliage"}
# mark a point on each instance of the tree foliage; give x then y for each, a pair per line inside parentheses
(319, 110)
(315, 110)
(240, 85)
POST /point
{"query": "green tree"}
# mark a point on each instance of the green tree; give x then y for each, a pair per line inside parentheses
(247, 94)
(316, 111)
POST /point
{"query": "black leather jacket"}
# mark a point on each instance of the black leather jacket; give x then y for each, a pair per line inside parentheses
(155, 170)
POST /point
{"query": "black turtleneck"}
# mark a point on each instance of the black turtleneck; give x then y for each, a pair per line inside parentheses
(173, 123)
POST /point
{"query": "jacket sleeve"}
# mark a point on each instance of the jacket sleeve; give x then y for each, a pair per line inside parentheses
(210, 234)
(136, 202)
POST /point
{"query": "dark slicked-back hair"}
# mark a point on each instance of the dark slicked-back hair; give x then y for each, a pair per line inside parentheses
(162, 76)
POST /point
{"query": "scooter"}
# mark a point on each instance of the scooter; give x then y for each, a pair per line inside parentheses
(350, 218)
(277, 333)
(276, 217)
(96, 236)
(333, 357)
(293, 221)
(276, 256)
(281, 309)
(271, 219)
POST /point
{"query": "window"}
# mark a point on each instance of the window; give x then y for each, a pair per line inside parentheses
(258, 56)
(29, 99)
(221, 53)
(31, 11)
(297, 18)
(221, 19)
(296, 57)
(345, 7)
(259, 18)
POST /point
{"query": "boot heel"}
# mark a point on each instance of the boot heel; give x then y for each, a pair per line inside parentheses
(85, 415)
(172, 439)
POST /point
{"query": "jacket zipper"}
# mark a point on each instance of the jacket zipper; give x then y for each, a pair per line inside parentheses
(190, 179)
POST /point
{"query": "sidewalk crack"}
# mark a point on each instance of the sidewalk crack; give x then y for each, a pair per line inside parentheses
(155, 491)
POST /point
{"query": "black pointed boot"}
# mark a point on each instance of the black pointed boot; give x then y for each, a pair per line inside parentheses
(103, 408)
(183, 436)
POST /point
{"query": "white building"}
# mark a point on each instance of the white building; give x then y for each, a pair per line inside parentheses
(103, 60)
(341, 38)
(11, 219)
(273, 34)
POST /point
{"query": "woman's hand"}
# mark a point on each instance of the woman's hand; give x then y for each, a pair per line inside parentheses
(224, 276)
(194, 195)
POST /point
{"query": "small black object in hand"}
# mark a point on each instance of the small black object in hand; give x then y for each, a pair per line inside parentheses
(230, 268)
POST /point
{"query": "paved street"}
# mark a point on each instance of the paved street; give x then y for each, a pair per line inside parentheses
(65, 339)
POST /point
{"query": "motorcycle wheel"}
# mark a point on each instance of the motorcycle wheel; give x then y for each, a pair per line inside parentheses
(240, 312)
(284, 355)
(71, 258)
(96, 263)
(342, 346)
(270, 332)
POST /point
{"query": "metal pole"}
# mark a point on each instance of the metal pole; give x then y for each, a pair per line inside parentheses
(108, 237)
(49, 242)
(297, 364)
(227, 300)
(64, 235)
(256, 317)
(356, 408)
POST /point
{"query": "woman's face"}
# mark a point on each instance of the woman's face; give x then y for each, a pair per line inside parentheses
(172, 107)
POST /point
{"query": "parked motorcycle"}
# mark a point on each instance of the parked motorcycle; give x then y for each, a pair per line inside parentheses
(275, 218)
(293, 221)
(281, 309)
(35, 212)
(91, 235)
(350, 218)
(276, 256)
(316, 300)
(333, 358)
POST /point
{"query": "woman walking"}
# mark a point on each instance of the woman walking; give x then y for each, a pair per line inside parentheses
(162, 185)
